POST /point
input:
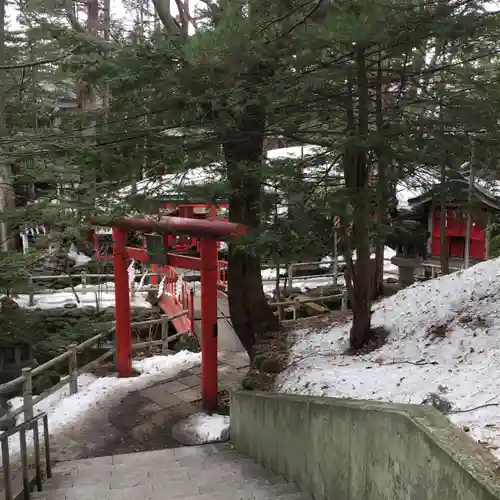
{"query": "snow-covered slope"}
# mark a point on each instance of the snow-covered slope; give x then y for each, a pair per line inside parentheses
(444, 339)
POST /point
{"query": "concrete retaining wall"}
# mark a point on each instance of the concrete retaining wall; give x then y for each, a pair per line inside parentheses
(360, 450)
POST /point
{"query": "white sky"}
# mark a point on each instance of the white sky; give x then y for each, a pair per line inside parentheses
(119, 13)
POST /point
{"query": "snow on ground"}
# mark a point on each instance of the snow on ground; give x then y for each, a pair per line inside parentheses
(202, 428)
(80, 259)
(65, 411)
(304, 284)
(269, 275)
(444, 339)
(87, 298)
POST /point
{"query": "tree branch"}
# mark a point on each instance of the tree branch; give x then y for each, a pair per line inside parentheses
(163, 11)
(184, 16)
(40, 62)
(75, 24)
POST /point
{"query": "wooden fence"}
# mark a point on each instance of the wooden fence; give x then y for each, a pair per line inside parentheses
(81, 279)
(296, 303)
(71, 357)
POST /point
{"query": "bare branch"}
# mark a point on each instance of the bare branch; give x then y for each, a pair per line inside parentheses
(75, 24)
(183, 9)
(163, 11)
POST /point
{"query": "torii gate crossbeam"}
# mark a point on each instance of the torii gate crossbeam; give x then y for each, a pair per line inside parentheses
(209, 232)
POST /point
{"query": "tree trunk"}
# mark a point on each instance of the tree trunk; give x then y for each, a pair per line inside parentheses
(382, 191)
(357, 177)
(250, 313)
(443, 253)
(363, 276)
(7, 194)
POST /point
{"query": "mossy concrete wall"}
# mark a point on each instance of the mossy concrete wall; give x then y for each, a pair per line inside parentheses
(360, 450)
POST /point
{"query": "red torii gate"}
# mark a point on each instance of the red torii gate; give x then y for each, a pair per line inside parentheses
(209, 232)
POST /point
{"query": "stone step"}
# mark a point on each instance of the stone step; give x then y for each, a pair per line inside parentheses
(174, 456)
(185, 491)
(204, 479)
(233, 463)
(196, 473)
(132, 494)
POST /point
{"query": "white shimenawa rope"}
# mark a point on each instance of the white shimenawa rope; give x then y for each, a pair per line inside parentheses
(143, 279)
(131, 275)
(178, 285)
(161, 287)
(25, 242)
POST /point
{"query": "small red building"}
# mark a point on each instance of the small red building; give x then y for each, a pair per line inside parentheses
(426, 208)
(191, 210)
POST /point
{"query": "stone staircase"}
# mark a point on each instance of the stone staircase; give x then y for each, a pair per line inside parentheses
(207, 472)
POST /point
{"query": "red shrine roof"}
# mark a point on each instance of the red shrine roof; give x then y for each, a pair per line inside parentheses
(457, 190)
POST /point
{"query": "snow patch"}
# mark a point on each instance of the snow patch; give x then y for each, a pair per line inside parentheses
(79, 258)
(102, 393)
(443, 339)
(65, 297)
(202, 428)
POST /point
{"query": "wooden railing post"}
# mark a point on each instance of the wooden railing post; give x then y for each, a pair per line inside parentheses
(191, 309)
(27, 393)
(84, 279)
(343, 304)
(73, 369)
(164, 337)
(31, 285)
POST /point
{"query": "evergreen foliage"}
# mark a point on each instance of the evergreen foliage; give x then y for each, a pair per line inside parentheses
(388, 90)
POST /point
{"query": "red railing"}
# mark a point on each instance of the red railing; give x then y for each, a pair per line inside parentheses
(169, 278)
(185, 296)
(222, 265)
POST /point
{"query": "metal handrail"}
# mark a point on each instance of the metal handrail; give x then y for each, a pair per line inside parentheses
(31, 424)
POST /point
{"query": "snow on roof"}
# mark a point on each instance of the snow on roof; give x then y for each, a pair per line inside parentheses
(169, 184)
(443, 339)
(319, 166)
(104, 230)
(414, 185)
(182, 132)
(294, 152)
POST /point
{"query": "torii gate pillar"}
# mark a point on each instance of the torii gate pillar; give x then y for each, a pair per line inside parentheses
(209, 313)
(123, 308)
(209, 232)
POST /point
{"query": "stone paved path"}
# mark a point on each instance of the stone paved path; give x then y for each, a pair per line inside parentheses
(143, 419)
(227, 339)
(209, 472)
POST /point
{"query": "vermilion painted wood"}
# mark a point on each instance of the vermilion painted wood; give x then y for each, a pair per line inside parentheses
(209, 278)
(122, 304)
(209, 232)
(202, 228)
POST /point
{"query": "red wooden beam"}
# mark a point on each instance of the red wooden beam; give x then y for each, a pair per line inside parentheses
(173, 259)
(201, 228)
